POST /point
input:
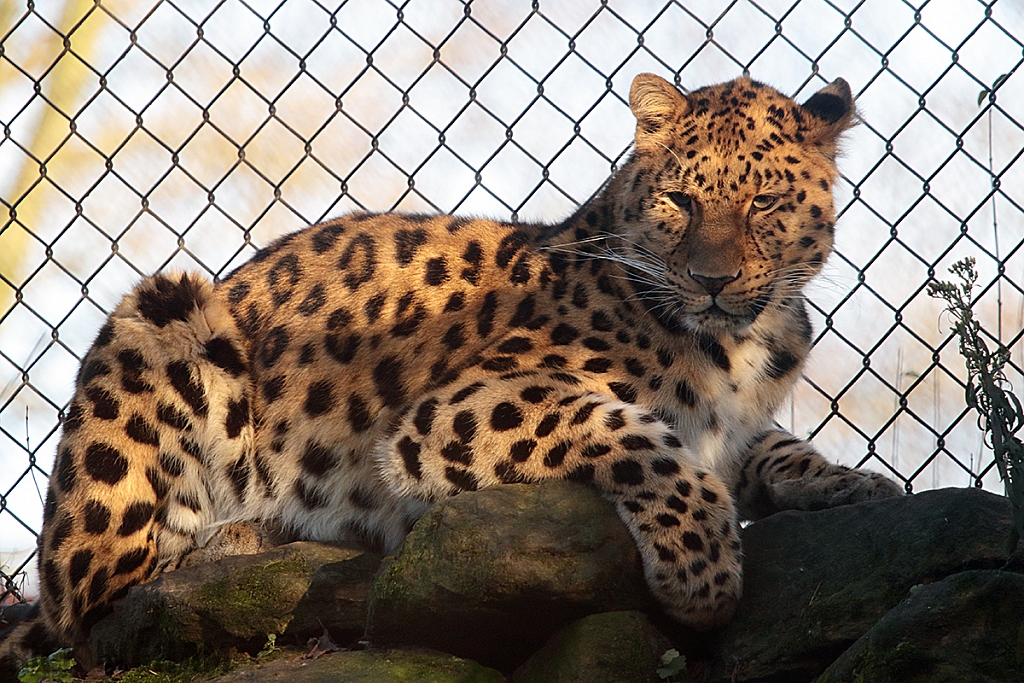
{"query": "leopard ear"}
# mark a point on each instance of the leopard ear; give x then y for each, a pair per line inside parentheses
(832, 113)
(655, 103)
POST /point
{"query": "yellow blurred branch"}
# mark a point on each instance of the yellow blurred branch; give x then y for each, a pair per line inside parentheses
(62, 87)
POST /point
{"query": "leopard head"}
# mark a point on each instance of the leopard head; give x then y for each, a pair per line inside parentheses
(724, 207)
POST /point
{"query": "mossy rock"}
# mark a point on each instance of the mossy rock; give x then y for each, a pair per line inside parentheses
(237, 601)
(968, 627)
(368, 666)
(815, 582)
(602, 648)
(491, 575)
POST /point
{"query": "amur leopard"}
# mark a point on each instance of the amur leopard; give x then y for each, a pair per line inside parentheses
(355, 372)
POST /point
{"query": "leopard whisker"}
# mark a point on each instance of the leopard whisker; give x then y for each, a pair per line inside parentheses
(652, 270)
(644, 278)
(646, 272)
(636, 245)
(674, 155)
(604, 237)
(657, 300)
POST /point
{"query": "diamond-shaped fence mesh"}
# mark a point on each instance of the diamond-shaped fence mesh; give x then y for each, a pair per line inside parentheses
(140, 135)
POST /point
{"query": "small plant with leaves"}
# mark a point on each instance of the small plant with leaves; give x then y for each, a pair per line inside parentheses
(988, 392)
(673, 665)
(270, 647)
(55, 668)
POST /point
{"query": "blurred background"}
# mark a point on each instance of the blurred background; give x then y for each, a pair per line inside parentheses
(140, 135)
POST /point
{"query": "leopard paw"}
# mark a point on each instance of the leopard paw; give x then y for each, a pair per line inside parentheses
(691, 550)
(828, 490)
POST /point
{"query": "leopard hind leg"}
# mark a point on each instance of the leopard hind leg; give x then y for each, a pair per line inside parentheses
(156, 449)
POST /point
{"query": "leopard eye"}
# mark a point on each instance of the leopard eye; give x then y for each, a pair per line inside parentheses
(681, 200)
(763, 202)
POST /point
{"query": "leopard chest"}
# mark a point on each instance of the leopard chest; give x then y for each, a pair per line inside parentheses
(718, 393)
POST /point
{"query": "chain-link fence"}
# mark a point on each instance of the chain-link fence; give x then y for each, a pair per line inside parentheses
(146, 134)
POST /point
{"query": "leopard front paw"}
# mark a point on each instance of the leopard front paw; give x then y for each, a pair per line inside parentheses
(698, 582)
(700, 602)
(691, 551)
(828, 490)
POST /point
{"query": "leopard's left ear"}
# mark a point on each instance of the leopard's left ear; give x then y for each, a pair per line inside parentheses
(655, 103)
(832, 113)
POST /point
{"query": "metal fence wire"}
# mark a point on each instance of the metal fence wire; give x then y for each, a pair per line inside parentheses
(140, 135)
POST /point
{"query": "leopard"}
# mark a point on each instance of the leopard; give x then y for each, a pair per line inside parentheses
(356, 372)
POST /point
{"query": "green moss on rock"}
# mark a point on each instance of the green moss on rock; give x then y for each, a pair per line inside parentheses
(967, 627)
(296, 589)
(815, 582)
(369, 666)
(188, 671)
(490, 575)
(256, 600)
(601, 648)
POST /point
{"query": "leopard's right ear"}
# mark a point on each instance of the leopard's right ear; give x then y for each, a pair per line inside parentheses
(833, 112)
(655, 103)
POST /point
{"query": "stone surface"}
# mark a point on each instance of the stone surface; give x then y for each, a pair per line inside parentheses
(967, 627)
(370, 666)
(236, 602)
(12, 615)
(491, 575)
(602, 648)
(815, 582)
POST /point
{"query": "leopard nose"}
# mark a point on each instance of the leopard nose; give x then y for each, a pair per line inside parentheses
(713, 285)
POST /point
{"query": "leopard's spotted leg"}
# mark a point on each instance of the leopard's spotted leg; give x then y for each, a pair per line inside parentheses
(154, 452)
(782, 472)
(491, 431)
